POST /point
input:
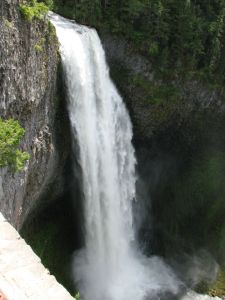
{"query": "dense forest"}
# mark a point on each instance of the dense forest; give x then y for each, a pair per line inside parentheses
(175, 35)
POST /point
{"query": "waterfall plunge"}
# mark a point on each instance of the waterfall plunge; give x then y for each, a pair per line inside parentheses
(109, 268)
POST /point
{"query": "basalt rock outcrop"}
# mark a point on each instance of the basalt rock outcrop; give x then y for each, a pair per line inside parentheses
(29, 64)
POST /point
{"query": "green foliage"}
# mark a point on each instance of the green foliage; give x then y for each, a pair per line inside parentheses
(195, 216)
(51, 29)
(179, 37)
(10, 135)
(86, 11)
(39, 46)
(154, 49)
(33, 9)
(155, 93)
(203, 186)
(49, 4)
(216, 29)
(77, 296)
(218, 288)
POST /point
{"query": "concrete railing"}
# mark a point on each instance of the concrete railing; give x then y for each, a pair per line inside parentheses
(22, 275)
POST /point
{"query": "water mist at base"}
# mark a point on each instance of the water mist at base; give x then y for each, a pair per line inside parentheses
(110, 267)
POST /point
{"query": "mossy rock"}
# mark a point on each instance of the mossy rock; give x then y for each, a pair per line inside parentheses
(218, 288)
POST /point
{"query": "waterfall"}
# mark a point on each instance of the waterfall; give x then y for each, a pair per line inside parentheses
(110, 267)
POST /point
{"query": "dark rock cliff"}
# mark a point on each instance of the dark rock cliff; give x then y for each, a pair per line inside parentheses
(178, 126)
(155, 102)
(28, 74)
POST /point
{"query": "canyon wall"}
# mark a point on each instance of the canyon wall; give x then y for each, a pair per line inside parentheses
(29, 63)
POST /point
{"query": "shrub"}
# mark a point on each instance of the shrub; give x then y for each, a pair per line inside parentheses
(33, 9)
(77, 296)
(10, 135)
(49, 3)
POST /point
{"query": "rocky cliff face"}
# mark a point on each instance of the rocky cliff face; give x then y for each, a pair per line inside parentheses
(28, 74)
(178, 126)
(156, 103)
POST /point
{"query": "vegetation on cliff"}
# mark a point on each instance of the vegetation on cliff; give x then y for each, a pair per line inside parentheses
(181, 38)
(33, 9)
(10, 136)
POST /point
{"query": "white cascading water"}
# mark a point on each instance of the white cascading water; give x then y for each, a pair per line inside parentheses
(109, 267)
